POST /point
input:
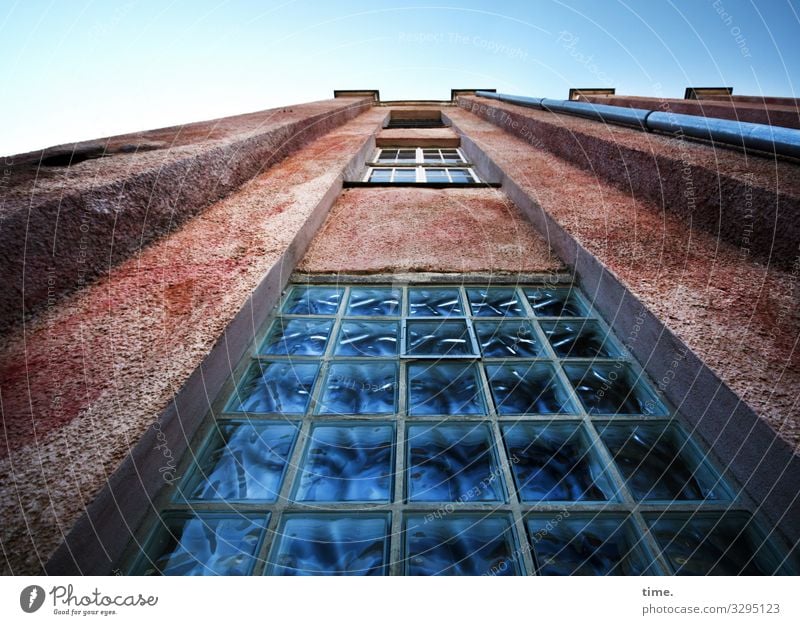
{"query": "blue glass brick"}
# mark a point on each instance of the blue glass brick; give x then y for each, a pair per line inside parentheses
(555, 302)
(460, 544)
(439, 338)
(580, 338)
(495, 302)
(657, 464)
(204, 544)
(444, 302)
(586, 545)
(297, 337)
(611, 388)
(373, 301)
(331, 544)
(367, 338)
(507, 339)
(313, 300)
(452, 462)
(444, 389)
(555, 462)
(244, 461)
(282, 387)
(527, 388)
(360, 388)
(348, 463)
(709, 544)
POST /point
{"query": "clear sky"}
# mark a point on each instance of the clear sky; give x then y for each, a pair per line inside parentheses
(73, 70)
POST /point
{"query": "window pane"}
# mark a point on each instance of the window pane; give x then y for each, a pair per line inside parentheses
(407, 156)
(612, 388)
(507, 339)
(405, 175)
(436, 175)
(373, 301)
(580, 339)
(451, 156)
(527, 388)
(387, 156)
(380, 175)
(434, 302)
(348, 463)
(439, 338)
(495, 302)
(452, 463)
(461, 176)
(461, 544)
(444, 389)
(701, 544)
(283, 387)
(657, 464)
(356, 388)
(554, 302)
(342, 544)
(297, 337)
(554, 462)
(205, 544)
(313, 300)
(596, 545)
(431, 156)
(367, 338)
(243, 462)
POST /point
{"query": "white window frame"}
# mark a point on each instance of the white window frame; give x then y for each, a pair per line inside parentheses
(420, 158)
(420, 175)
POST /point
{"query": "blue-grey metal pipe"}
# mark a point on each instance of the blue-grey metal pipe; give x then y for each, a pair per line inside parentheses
(776, 139)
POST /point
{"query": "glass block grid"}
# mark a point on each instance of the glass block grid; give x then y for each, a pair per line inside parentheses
(447, 429)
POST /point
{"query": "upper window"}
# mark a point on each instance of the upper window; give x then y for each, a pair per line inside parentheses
(426, 156)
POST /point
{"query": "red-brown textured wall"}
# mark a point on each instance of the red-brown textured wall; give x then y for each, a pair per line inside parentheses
(750, 202)
(60, 227)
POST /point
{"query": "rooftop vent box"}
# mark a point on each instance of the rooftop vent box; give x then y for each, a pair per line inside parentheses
(419, 118)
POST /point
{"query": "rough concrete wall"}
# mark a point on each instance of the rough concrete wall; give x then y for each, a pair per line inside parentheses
(750, 202)
(740, 317)
(758, 113)
(86, 380)
(61, 226)
(439, 230)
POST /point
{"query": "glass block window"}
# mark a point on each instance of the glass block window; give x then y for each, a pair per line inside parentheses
(446, 429)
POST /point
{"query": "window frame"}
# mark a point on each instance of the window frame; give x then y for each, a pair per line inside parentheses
(420, 175)
(419, 157)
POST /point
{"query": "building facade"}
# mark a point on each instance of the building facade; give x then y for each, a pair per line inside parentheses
(366, 337)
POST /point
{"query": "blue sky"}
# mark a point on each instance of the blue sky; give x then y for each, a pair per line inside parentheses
(75, 70)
